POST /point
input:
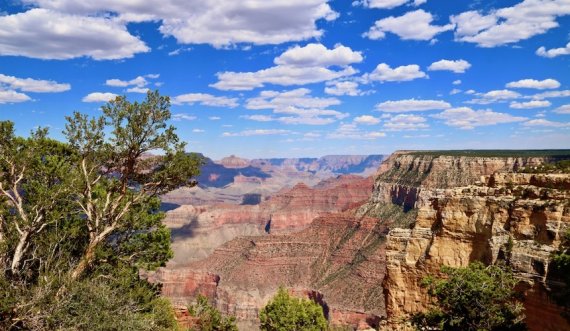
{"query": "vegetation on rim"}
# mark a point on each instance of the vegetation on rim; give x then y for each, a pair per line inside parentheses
(474, 298)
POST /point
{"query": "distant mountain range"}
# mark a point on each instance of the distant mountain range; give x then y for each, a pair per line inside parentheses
(224, 172)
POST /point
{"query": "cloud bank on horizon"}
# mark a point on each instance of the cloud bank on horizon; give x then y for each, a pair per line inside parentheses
(299, 77)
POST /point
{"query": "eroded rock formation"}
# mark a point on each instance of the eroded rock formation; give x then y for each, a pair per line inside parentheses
(338, 258)
(198, 230)
(364, 265)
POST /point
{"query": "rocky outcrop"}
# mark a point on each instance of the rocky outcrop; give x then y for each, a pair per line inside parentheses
(515, 217)
(198, 230)
(234, 162)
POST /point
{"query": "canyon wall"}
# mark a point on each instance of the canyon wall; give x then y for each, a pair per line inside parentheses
(198, 230)
(459, 216)
(338, 259)
(365, 264)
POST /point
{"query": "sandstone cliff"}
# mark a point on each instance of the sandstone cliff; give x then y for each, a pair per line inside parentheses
(510, 216)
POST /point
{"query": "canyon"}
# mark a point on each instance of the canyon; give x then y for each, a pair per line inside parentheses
(364, 261)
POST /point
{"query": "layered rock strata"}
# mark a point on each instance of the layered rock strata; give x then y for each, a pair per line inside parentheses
(518, 218)
(338, 258)
(198, 230)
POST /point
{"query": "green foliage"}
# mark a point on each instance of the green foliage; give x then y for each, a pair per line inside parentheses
(121, 302)
(560, 167)
(475, 298)
(208, 318)
(79, 219)
(287, 313)
(560, 269)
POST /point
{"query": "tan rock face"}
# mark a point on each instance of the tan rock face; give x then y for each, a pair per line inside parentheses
(457, 226)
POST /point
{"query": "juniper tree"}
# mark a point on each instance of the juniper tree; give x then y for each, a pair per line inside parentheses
(83, 216)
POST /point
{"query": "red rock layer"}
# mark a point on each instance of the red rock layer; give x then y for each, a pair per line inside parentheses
(340, 257)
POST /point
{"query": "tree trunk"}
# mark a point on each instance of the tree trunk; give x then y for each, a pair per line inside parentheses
(85, 261)
(19, 252)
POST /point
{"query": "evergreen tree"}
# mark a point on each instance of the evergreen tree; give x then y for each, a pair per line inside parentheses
(79, 219)
(475, 298)
(287, 313)
(208, 318)
(560, 270)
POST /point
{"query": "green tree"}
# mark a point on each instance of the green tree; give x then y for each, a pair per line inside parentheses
(82, 217)
(287, 313)
(560, 270)
(208, 318)
(475, 298)
(120, 182)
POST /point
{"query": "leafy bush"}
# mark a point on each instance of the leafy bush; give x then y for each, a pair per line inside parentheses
(560, 269)
(287, 313)
(474, 298)
(209, 318)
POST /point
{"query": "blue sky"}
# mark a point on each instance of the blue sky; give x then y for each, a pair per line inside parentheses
(291, 78)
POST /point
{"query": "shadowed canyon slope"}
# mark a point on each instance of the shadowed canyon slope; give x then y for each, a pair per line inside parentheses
(364, 264)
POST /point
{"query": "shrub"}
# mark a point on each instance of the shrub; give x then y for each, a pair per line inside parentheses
(475, 298)
(287, 313)
(209, 318)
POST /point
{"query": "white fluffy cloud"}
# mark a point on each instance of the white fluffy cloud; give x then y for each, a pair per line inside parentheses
(135, 85)
(383, 4)
(554, 52)
(47, 34)
(296, 66)
(565, 109)
(317, 55)
(32, 85)
(401, 106)
(183, 117)
(547, 123)
(9, 96)
(342, 88)
(467, 118)
(297, 98)
(295, 107)
(404, 122)
(99, 97)
(257, 132)
(205, 99)
(457, 66)
(351, 131)
(366, 119)
(384, 73)
(219, 23)
(456, 82)
(414, 25)
(530, 104)
(511, 24)
(552, 94)
(494, 96)
(535, 84)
